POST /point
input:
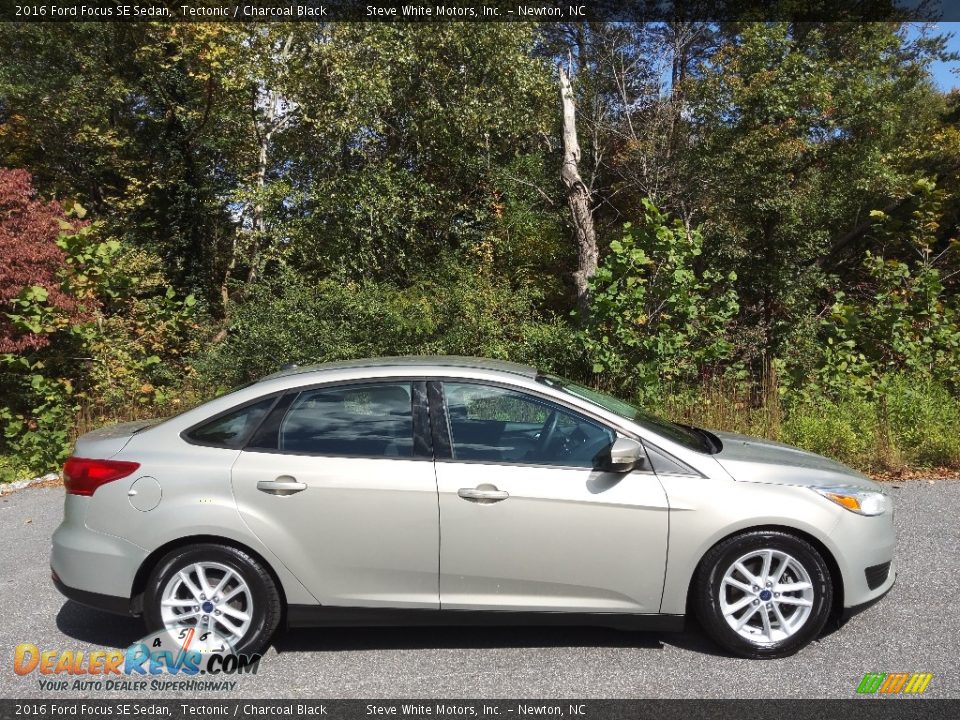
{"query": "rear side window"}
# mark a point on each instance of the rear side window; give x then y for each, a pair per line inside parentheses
(373, 420)
(232, 429)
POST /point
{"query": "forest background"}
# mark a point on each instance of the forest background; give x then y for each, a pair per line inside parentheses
(772, 210)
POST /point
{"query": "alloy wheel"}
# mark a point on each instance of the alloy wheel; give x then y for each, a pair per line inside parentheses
(210, 597)
(766, 596)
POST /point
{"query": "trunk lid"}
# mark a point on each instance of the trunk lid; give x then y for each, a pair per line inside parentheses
(107, 441)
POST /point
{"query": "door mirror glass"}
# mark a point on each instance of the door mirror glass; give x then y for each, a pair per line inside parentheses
(625, 455)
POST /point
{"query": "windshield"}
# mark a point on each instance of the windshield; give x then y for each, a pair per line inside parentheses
(680, 434)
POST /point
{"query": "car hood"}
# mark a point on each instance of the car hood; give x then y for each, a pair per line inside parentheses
(751, 459)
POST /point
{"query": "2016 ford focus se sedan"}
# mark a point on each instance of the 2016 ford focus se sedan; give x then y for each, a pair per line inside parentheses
(441, 490)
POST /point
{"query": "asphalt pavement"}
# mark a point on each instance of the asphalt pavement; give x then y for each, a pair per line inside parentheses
(915, 628)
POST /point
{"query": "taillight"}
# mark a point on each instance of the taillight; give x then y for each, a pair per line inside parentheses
(82, 476)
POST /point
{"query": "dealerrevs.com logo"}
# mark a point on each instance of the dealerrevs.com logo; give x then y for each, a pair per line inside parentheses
(901, 683)
(163, 661)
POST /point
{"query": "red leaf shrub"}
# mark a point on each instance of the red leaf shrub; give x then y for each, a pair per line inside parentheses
(28, 254)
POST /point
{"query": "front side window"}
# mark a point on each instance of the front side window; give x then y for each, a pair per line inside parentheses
(374, 420)
(231, 429)
(493, 424)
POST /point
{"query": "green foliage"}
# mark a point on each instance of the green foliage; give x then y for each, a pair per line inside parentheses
(458, 311)
(803, 127)
(903, 318)
(656, 317)
(12, 469)
(907, 324)
(125, 350)
(142, 341)
(916, 422)
(431, 146)
(843, 429)
(128, 119)
(268, 193)
(924, 421)
(37, 436)
(40, 399)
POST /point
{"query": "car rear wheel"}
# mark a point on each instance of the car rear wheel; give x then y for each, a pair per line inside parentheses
(763, 594)
(214, 589)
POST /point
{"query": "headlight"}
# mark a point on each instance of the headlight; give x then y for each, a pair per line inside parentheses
(862, 502)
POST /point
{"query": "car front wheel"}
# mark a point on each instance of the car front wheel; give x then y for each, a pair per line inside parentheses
(216, 590)
(763, 594)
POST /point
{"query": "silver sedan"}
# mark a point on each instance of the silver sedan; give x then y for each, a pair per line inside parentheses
(439, 490)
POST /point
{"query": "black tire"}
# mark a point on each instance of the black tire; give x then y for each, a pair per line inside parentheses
(267, 606)
(708, 583)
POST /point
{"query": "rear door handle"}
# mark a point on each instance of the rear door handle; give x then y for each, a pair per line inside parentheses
(283, 485)
(488, 493)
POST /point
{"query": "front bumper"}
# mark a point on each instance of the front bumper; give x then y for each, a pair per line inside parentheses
(849, 612)
(860, 544)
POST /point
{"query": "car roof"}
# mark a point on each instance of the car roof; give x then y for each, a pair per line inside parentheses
(429, 363)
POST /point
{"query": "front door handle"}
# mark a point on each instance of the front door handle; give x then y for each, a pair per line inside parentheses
(483, 493)
(283, 485)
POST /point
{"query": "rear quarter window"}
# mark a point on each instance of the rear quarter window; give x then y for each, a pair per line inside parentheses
(232, 428)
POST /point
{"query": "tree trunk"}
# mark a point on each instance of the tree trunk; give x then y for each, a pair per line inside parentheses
(276, 115)
(578, 198)
(258, 216)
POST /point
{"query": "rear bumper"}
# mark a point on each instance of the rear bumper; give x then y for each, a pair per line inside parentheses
(99, 601)
(86, 561)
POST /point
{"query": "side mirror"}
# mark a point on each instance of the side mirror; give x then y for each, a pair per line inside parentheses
(625, 455)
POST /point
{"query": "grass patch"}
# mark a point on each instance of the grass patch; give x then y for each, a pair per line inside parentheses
(913, 424)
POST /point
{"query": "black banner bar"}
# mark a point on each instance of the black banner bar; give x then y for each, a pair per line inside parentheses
(476, 10)
(570, 709)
